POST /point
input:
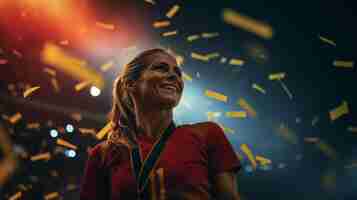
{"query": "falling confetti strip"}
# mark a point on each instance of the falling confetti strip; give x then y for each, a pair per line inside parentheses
(80, 86)
(65, 144)
(49, 71)
(29, 91)
(173, 11)
(42, 156)
(223, 60)
(105, 26)
(192, 38)
(339, 111)
(55, 85)
(287, 91)
(227, 130)
(216, 95)
(33, 125)
(104, 131)
(106, 66)
(15, 118)
(344, 64)
(199, 57)
(209, 35)
(234, 61)
(170, 33)
(51, 195)
(247, 23)
(236, 114)
(311, 139)
(262, 160)
(186, 77)
(248, 108)
(277, 76)
(249, 154)
(212, 55)
(179, 60)
(258, 88)
(327, 41)
(161, 24)
(91, 131)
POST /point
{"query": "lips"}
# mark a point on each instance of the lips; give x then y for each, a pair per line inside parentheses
(170, 87)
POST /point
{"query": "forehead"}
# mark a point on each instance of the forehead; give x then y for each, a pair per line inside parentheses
(161, 57)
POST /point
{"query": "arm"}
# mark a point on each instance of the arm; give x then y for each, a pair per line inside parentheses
(94, 185)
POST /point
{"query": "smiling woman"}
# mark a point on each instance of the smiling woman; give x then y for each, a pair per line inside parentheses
(146, 155)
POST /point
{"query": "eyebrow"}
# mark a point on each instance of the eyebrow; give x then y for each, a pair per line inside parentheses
(177, 69)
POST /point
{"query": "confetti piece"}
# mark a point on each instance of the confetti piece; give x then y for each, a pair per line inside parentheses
(186, 76)
(150, 1)
(161, 24)
(16, 196)
(245, 106)
(80, 86)
(247, 23)
(339, 111)
(179, 60)
(249, 154)
(287, 91)
(71, 187)
(170, 33)
(209, 35)
(258, 88)
(64, 42)
(55, 85)
(311, 139)
(344, 64)
(42, 156)
(352, 129)
(199, 57)
(30, 91)
(55, 56)
(76, 116)
(65, 144)
(104, 131)
(314, 120)
(236, 62)
(327, 149)
(277, 76)
(49, 71)
(33, 125)
(262, 160)
(3, 61)
(173, 11)
(236, 114)
(287, 134)
(105, 26)
(106, 66)
(223, 60)
(91, 131)
(192, 38)
(15, 118)
(226, 129)
(51, 195)
(327, 41)
(216, 95)
(212, 55)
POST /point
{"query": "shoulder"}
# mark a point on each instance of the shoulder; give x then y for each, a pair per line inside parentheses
(205, 129)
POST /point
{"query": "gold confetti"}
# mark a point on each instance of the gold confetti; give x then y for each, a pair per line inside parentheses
(49, 71)
(236, 114)
(249, 154)
(106, 66)
(199, 57)
(64, 42)
(51, 195)
(42, 156)
(248, 108)
(179, 60)
(16, 196)
(236, 62)
(311, 139)
(259, 88)
(186, 76)
(105, 26)
(170, 33)
(327, 149)
(212, 55)
(91, 131)
(209, 35)
(344, 64)
(277, 76)
(150, 1)
(262, 160)
(247, 23)
(65, 144)
(55, 85)
(192, 37)
(213, 115)
(30, 91)
(287, 134)
(33, 125)
(3, 61)
(216, 95)
(15, 118)
(104, 131)
(339, 111)
(161, 24)
(327, 41)
(352, 129)
(80, 86)
(173, 11)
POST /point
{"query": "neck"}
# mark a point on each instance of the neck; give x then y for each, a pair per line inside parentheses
(153, 123)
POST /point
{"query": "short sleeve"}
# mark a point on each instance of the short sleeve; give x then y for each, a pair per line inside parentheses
(221, 155)
(94, 185)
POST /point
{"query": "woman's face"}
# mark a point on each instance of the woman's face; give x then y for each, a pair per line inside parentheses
(160, 84)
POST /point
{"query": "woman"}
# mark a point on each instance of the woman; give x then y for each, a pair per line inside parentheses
(146, 155)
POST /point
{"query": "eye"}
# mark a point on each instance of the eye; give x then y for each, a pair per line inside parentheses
(159, 67)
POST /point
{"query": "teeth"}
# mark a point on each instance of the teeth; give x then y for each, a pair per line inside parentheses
(169, 87)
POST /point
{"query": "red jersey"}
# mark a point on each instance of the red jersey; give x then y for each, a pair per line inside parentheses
(193, 155)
